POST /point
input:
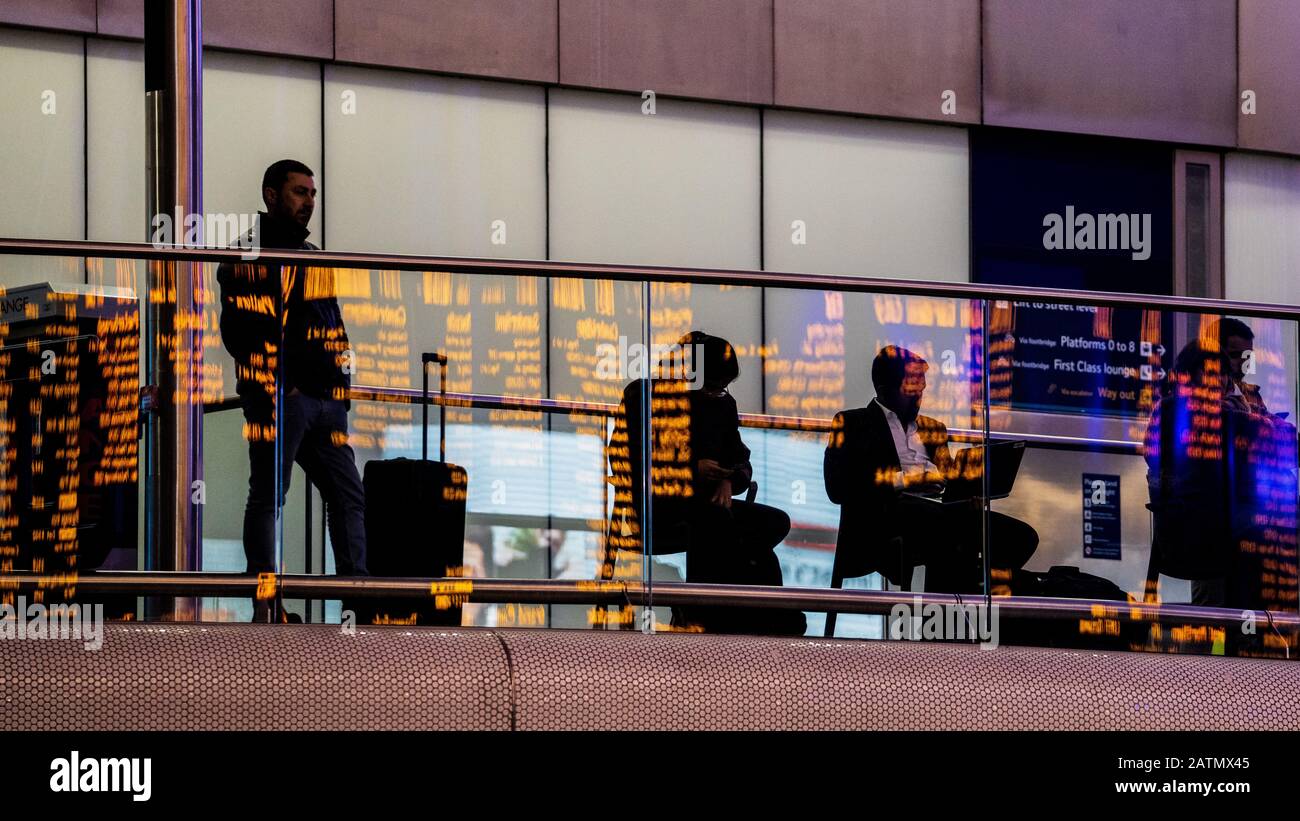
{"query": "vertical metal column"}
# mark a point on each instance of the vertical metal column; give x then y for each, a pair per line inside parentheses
(174, 339)
(985, 529)
(647, 465)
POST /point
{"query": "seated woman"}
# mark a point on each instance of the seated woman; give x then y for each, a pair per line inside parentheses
(699, 463)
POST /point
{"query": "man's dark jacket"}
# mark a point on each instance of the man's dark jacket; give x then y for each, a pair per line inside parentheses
(859, 468)
(253, 317)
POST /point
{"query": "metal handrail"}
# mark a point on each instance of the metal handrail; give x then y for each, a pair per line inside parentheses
(764, 421)
(741, 277)
(570, 591)
(760, 421)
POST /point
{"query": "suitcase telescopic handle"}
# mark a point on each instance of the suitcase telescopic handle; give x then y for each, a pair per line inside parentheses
(425, 359)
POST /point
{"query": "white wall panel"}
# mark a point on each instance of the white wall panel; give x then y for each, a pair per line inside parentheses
(257, 110)
(434, 165)
(1261, 226)
(115, 147)
(679, 187)
(880, 199)
(42, 161)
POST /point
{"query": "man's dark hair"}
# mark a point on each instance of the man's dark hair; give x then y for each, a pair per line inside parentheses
(279, 171)
(1197, 362)
(890, 367)
(1228, 327)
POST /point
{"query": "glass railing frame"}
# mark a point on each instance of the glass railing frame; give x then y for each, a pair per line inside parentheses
(984, 293)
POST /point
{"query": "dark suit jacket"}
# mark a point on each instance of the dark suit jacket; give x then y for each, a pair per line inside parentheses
(860, 467)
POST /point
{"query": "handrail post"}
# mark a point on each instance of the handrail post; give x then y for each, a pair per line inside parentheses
(173, 340)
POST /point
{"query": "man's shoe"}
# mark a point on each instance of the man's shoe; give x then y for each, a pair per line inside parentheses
(261, 612)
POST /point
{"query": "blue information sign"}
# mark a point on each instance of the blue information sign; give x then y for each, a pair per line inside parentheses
(1101, 533)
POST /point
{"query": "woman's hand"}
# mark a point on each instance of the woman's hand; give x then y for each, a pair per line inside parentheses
(722, 496)
(711, 470)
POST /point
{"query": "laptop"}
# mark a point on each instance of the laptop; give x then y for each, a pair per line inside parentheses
(1004, 465)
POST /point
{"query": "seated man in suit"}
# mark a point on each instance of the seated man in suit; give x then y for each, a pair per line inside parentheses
(877, 453)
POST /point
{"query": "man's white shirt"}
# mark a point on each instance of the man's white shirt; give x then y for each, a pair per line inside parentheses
(907, 444)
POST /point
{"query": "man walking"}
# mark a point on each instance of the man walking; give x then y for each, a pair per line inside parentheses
(283, 326)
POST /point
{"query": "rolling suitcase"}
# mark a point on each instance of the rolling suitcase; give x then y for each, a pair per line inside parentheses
(415, 524)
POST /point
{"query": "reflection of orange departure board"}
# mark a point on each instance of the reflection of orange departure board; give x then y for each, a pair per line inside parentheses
(376, 320)
(212, 387)
(69, 432)
(490, 329)
(807, 378)
(821, 345)
(670, 451)
(377, 329)
(588, 318)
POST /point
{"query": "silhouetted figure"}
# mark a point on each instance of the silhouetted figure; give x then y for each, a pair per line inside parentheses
(877, 454)
(268, 309)
(1237, 343)
(1221, 478)
(700, 463)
